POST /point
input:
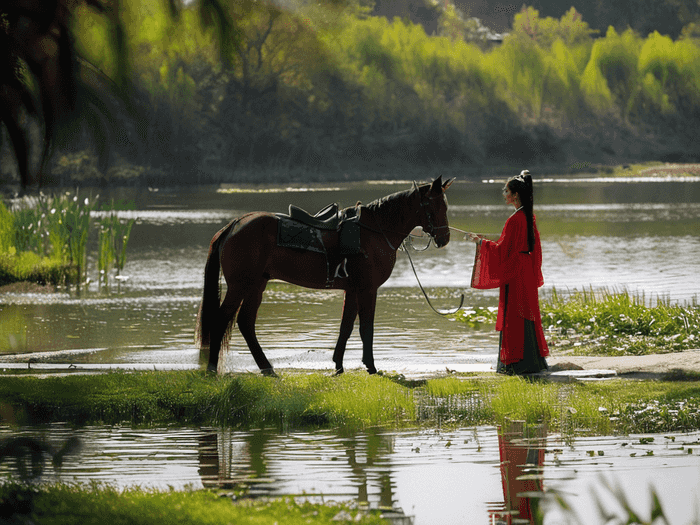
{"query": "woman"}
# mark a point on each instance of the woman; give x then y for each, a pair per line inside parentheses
(513, 263)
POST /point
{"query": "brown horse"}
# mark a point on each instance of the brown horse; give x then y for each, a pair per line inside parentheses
(247, 252)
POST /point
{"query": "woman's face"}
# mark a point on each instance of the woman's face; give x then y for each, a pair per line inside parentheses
(511, 198)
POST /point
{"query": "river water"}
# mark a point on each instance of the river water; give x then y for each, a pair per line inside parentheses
(640, 236)
(434, 477)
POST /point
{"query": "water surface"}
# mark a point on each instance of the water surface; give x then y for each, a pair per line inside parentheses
(642, 237)
(447, 477)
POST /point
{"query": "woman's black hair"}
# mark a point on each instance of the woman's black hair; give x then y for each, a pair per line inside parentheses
(522, 185)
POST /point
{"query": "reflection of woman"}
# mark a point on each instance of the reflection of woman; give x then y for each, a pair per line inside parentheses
(513, 264)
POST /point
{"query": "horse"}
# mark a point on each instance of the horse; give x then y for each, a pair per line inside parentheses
(246, 251)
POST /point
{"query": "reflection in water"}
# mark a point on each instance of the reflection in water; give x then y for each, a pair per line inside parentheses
(262, 460)
(451, 477)
(521, 450)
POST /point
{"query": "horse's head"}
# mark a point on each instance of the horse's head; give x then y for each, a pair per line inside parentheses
(433, 212)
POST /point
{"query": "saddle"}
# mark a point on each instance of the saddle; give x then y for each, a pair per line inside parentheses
(331, 231)
(326, 219)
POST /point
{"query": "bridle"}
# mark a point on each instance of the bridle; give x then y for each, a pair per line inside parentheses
(426, 204)
(408, 243)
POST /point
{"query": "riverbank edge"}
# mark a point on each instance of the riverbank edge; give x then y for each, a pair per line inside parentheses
(469, 173)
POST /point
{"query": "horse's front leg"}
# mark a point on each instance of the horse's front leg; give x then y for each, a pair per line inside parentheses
(346, 325)
(367, 303)
(224, 318)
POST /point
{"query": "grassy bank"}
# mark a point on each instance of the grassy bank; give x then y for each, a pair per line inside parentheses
(67, 504)
(607, 323)
(352, 402)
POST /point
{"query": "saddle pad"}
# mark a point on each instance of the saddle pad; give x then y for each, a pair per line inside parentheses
(293, 234)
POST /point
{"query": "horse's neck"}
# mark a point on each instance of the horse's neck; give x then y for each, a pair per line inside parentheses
(397, 219)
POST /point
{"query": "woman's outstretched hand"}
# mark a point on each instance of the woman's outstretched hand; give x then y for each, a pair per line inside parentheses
(473, 237)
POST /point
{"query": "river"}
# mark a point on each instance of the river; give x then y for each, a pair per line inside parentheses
(640, 236)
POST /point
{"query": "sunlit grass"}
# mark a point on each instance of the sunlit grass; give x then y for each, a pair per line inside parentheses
(44, 239)
(608, 323)
(96, 504)
(352, 402)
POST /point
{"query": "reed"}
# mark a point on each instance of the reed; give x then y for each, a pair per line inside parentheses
(47, 239)
(113, 237)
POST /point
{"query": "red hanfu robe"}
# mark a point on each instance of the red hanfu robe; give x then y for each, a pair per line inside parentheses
(508, 262)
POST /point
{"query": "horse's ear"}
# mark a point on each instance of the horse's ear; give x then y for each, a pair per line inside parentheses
(448, 183)
(436, 185)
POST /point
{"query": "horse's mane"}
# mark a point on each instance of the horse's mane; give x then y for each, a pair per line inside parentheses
(391, 205)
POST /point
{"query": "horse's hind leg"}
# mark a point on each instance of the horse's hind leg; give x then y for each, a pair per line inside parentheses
(246, 324)
(367, 304)
(346, 326)
(225, 315)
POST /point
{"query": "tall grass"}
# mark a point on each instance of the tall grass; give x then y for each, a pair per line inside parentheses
(113, 237)
(620, 323)
(45, 238)
(608, 323)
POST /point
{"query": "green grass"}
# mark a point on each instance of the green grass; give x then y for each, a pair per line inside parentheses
(44, 239)
(607, 323)
(352, 402)
(195, 398)
(88, 505)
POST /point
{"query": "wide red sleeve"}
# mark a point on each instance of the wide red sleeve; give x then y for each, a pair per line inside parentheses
(495, 263)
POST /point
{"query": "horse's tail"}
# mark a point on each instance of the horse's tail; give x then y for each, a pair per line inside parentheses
(211, 296)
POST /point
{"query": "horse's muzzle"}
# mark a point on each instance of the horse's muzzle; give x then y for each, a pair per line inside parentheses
(442, 240)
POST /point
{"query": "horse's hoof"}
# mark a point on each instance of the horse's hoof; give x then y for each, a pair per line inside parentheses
(371, 370)
(211, 369)
(268, 372)
(339, 371)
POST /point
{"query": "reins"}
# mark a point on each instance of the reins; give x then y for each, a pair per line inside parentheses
(449, 312)
(407, 244)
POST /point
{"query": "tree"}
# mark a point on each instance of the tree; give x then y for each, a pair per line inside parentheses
(43, 77)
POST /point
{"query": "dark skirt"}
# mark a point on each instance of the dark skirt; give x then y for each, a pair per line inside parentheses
(532, 362)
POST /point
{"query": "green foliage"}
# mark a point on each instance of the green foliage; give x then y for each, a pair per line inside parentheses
(96, 504)
(611, 76)
(112, 238)
(7, 230)
(352, 402)
(51, 233)
(322, 87)
(619, 323)
(569, 29)
(608, 323)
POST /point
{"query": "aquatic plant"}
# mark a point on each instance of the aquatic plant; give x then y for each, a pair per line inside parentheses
(620, 323)
(621, 512)
(51, 235)
(608, 323)
(113, 237)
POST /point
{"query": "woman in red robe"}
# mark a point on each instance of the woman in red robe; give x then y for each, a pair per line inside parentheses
(513, 264)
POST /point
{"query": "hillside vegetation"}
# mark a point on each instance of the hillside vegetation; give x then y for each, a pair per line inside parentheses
(325, 90)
